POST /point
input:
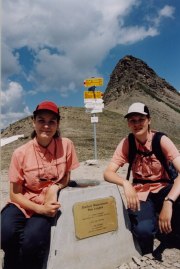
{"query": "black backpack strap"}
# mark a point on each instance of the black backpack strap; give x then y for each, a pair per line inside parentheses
(132, 153)
(156, 148)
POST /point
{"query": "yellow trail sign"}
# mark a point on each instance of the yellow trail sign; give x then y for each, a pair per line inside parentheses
(93, 82)
(93, 95)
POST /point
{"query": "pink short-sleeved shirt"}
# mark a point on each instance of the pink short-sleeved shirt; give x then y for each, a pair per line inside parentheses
(31, 162)
(149, 167)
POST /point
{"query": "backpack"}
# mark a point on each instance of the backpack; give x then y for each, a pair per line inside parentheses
(156, 150)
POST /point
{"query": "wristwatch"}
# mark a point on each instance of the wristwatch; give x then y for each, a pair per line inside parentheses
(168, 199)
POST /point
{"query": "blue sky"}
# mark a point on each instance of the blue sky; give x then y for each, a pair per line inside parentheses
(50, 47)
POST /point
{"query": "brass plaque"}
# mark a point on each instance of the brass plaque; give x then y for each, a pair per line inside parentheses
(95, 217)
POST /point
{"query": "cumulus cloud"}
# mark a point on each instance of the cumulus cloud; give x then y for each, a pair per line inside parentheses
(167, 11)
(70, 43)
(12, 104)
(69, 39)
(9, 62)
(132, 34)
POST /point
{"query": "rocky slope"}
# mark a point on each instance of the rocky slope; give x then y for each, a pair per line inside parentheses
(132, 80)
(132, 76)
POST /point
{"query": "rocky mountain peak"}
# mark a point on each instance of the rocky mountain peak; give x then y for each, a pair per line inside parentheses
(133, 77)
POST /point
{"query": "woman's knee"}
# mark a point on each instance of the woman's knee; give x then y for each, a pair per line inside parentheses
(36, 238)
(10, 227)
(34, 250)
(33, 245)
(144, 229)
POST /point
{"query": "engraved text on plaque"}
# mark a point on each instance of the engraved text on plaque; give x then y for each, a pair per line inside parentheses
(95, 217)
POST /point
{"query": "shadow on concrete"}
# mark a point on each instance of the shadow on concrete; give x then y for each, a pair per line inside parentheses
(83, 183)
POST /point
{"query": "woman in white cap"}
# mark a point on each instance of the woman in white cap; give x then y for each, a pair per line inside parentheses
(36, 167)
(151, 192)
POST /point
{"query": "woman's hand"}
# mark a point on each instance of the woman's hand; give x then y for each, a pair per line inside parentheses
(131, 196)
(132, 199)
(48, 209)
(165, 217)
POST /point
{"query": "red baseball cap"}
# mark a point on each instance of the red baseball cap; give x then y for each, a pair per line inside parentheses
(47, 105)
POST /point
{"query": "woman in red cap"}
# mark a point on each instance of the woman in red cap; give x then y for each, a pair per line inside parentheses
(37, 171)
(151, 193)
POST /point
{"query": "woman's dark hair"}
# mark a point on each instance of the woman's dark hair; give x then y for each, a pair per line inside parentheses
(57, 133)
(146, 109)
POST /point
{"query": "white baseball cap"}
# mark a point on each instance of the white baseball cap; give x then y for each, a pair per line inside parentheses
(139, 108)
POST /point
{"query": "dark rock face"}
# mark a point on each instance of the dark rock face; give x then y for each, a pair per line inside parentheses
(133, 77)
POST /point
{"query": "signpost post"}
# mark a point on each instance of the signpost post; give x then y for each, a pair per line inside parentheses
(93, 103)
(95, 141)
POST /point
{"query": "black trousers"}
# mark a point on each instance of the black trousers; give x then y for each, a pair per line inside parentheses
(25, 241)
(144, 223)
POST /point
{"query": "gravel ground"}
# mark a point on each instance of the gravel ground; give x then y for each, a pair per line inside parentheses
(166, 257)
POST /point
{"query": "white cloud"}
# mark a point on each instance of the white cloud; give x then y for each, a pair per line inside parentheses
(81, 36)
(12, 104)
(9, 62)
(135, 34)
(69, 38)
(167, 11)
(11, 98)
